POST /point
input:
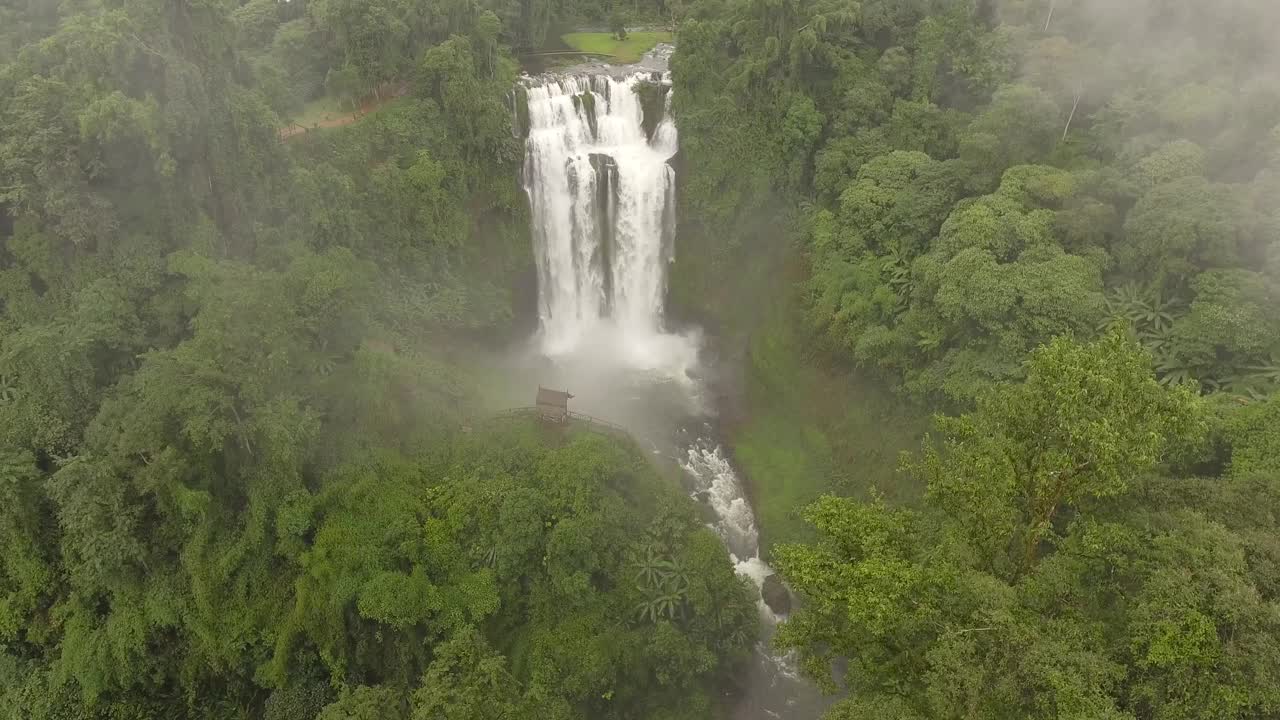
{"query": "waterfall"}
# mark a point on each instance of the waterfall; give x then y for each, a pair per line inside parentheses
(602, 197)
(603, 202)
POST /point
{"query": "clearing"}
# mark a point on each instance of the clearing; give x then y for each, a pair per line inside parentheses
(328, 112)
(322, 109)
(623, 51)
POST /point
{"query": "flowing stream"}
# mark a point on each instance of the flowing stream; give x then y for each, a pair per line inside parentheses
(602, 196)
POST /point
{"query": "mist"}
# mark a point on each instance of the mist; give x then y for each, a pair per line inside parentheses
(1206, 70)
(923, 359)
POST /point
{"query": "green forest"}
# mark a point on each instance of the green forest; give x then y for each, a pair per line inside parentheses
(989, 279)
(1053, 225)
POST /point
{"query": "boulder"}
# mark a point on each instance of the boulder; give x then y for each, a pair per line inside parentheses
(776, 595)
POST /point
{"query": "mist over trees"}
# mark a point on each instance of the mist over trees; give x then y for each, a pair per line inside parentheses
(238, 477)
(981, 184)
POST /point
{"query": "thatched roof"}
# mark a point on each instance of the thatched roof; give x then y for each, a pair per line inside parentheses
(554, 398)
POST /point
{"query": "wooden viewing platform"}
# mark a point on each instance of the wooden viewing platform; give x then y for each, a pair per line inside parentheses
(552, 409)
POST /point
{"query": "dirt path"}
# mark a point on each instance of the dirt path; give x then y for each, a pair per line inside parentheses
(368, 105)
(291, 130)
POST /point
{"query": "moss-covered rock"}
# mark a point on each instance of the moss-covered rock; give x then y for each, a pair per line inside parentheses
(586, 102)
(520, 102)
(776, 595)
(653, 103)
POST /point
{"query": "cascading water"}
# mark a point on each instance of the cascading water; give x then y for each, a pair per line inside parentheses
(602, 196)
(716, 482)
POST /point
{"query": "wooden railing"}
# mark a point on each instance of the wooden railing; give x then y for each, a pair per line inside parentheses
(567, 52)
(597, 421)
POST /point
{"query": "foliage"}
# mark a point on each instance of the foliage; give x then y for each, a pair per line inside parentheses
(976, 183)
(232, 381)
(1048, 575)
(231, 378)
(969, 183)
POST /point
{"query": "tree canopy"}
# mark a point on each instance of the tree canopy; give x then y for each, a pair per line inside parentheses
(1047, 220)
(981, 177)
(250, 250)
(1064, 564)
(234, 381)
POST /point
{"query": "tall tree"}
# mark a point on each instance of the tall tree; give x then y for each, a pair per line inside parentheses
(985, 600)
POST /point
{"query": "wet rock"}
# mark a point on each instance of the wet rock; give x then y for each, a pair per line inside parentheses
(520, 118)
(653, 99)
(776, 595)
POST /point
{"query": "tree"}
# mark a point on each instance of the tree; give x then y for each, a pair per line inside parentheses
(365, 703)
(1174, 161)
(1019, 127)
(801, 129)
(618, 24)
(1182, 227)
(1083, 423)
(885, 220)
(344, 84)
(469, 681)
(27, 580)
(256, 21)
(995, 597)
(375, 37)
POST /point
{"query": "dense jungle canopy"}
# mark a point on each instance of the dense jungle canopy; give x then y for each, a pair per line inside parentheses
(239, 477)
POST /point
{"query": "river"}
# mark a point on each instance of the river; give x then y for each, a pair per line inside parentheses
(603, 198)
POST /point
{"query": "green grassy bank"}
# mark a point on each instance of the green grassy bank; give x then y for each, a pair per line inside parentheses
(798, 426)
(808, 429)
(623, 51)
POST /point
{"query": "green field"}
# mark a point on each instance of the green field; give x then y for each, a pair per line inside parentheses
(625, 51)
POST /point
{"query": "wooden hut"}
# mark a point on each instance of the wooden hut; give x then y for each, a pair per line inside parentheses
(553, 405)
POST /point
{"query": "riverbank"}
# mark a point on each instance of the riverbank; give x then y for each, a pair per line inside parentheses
(807, 430)
(795, 425)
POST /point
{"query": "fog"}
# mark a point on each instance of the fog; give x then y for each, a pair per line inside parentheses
(1159, 44)
(656, 387)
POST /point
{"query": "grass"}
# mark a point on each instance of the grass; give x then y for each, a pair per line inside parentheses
(806, 428)
(624, 51)
(811, 430)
